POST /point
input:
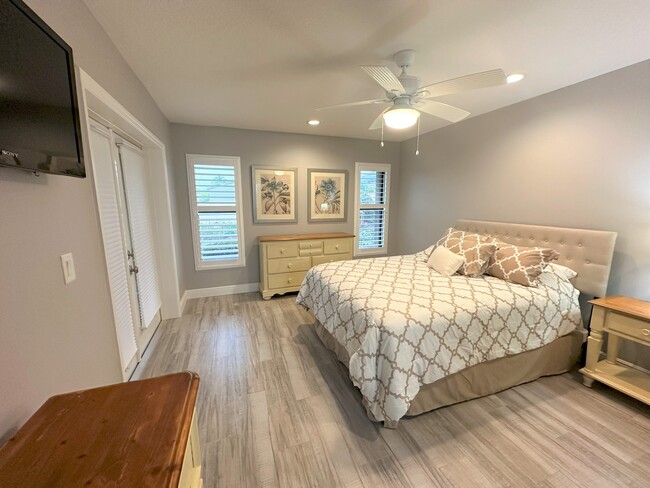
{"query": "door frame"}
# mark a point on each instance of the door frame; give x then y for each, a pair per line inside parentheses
(95, 98)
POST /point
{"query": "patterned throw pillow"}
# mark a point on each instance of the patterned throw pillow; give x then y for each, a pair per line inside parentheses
(476, 250)
(519, 264)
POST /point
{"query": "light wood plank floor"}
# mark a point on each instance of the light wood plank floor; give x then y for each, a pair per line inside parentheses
(276, 409)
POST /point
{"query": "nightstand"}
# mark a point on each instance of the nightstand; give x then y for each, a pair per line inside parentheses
(622, 318)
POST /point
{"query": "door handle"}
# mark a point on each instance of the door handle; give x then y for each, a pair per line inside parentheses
(133, 269)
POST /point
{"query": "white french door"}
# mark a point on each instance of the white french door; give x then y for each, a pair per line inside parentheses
(127, 222)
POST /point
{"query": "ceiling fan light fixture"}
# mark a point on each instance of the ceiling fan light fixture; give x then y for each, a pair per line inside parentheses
(401, 117)
(514, 77)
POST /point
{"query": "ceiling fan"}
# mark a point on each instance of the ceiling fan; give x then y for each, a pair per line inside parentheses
(408, 99)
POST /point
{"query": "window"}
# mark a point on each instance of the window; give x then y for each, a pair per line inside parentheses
(371, 209)
(215, 202)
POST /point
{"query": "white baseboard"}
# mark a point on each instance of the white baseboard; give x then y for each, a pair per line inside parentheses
(216, 291)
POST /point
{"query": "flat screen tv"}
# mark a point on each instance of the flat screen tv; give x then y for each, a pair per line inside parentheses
(39, 116)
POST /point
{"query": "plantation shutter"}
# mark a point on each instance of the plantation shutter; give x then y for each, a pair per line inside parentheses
(216, 212)
(372, 218)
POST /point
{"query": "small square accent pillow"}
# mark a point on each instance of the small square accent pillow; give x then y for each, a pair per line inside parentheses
(519, 264)
(444, 261)
(476, 250)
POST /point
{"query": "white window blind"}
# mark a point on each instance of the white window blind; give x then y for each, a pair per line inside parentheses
(141, 224)
(371, 224)
(215, 198)
(109, 214)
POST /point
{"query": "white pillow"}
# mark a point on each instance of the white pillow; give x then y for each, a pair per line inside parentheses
(561, 271)
(445, 261)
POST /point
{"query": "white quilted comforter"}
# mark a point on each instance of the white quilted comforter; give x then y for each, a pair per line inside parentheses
(404, 325)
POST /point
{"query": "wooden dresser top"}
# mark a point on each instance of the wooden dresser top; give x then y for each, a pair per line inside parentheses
(627, 305)
(300, 237)
(129, 434)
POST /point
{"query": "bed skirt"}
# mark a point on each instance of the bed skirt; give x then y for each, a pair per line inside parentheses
(486, 378)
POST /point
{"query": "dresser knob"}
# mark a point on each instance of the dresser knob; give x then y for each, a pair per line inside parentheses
(645, 332)
(311, 245)
(337, 246)
(289, 265)
(282, 251)
(290, 280)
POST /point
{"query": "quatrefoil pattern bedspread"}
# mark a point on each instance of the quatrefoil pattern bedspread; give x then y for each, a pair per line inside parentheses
(404, 325)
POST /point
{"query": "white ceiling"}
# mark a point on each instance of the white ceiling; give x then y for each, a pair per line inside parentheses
(268, 64)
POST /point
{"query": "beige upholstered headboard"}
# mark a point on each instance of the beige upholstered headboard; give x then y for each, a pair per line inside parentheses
(588, 252)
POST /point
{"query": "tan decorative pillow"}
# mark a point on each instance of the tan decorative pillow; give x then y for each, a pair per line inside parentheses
(476, 250)
(519, 264)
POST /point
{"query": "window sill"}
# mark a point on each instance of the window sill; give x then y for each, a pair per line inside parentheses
(208, 267)
(370, 252)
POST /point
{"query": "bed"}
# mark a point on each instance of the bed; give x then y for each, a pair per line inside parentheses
(414, 340)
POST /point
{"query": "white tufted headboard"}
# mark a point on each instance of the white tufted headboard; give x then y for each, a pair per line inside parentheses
(588, 252)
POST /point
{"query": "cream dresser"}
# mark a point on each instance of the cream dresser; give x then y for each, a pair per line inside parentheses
(285, 259)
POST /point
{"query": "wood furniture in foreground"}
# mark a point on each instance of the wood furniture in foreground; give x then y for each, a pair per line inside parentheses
(285, 259)
(622, 318)
(137, 434)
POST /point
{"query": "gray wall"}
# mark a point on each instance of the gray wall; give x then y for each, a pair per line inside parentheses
(270, 148)
(576, 157)
(56, 338)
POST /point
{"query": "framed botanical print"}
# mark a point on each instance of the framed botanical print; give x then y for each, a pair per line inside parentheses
(327, 198)
(274, 195)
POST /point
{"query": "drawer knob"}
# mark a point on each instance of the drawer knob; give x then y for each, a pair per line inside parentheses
(289, 265)
(282, 251)
(337, 246)
(311, 245)
(290, 280)
(645, 332)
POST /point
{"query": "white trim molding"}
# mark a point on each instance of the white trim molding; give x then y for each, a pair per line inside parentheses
(217, 291)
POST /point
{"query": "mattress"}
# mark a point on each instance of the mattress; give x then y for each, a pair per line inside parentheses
(404, 326)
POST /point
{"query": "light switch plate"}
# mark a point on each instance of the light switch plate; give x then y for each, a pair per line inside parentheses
(67, 264)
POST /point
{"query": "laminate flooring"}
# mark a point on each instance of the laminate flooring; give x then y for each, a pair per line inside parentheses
(276, 409)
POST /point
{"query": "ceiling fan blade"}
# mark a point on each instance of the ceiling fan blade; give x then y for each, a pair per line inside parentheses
(485, 79)
(352, 104)
(385, 77)
(442, 110)
(376, 124)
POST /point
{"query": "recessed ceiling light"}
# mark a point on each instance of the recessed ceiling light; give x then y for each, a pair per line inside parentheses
(313, 122)
(515, 77)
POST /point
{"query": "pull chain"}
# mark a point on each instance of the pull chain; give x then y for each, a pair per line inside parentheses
(417, 144)
(382, 132)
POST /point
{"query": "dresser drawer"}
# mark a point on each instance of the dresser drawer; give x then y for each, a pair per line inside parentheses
(312, 252)
(338, 246)
(286, 280)
(281, 249)
(330, 258)
(287, 265)
(628, 326)
(311, 244)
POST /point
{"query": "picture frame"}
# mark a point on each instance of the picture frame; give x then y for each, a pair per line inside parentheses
(274, 195)
(327, 195)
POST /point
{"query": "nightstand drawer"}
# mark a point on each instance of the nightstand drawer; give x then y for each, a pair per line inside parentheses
(312, 252)
(311, 245)
(330, 258)
(286, 280)
(282, 249)
(629, 326)
(338, 246)
(288, 265)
